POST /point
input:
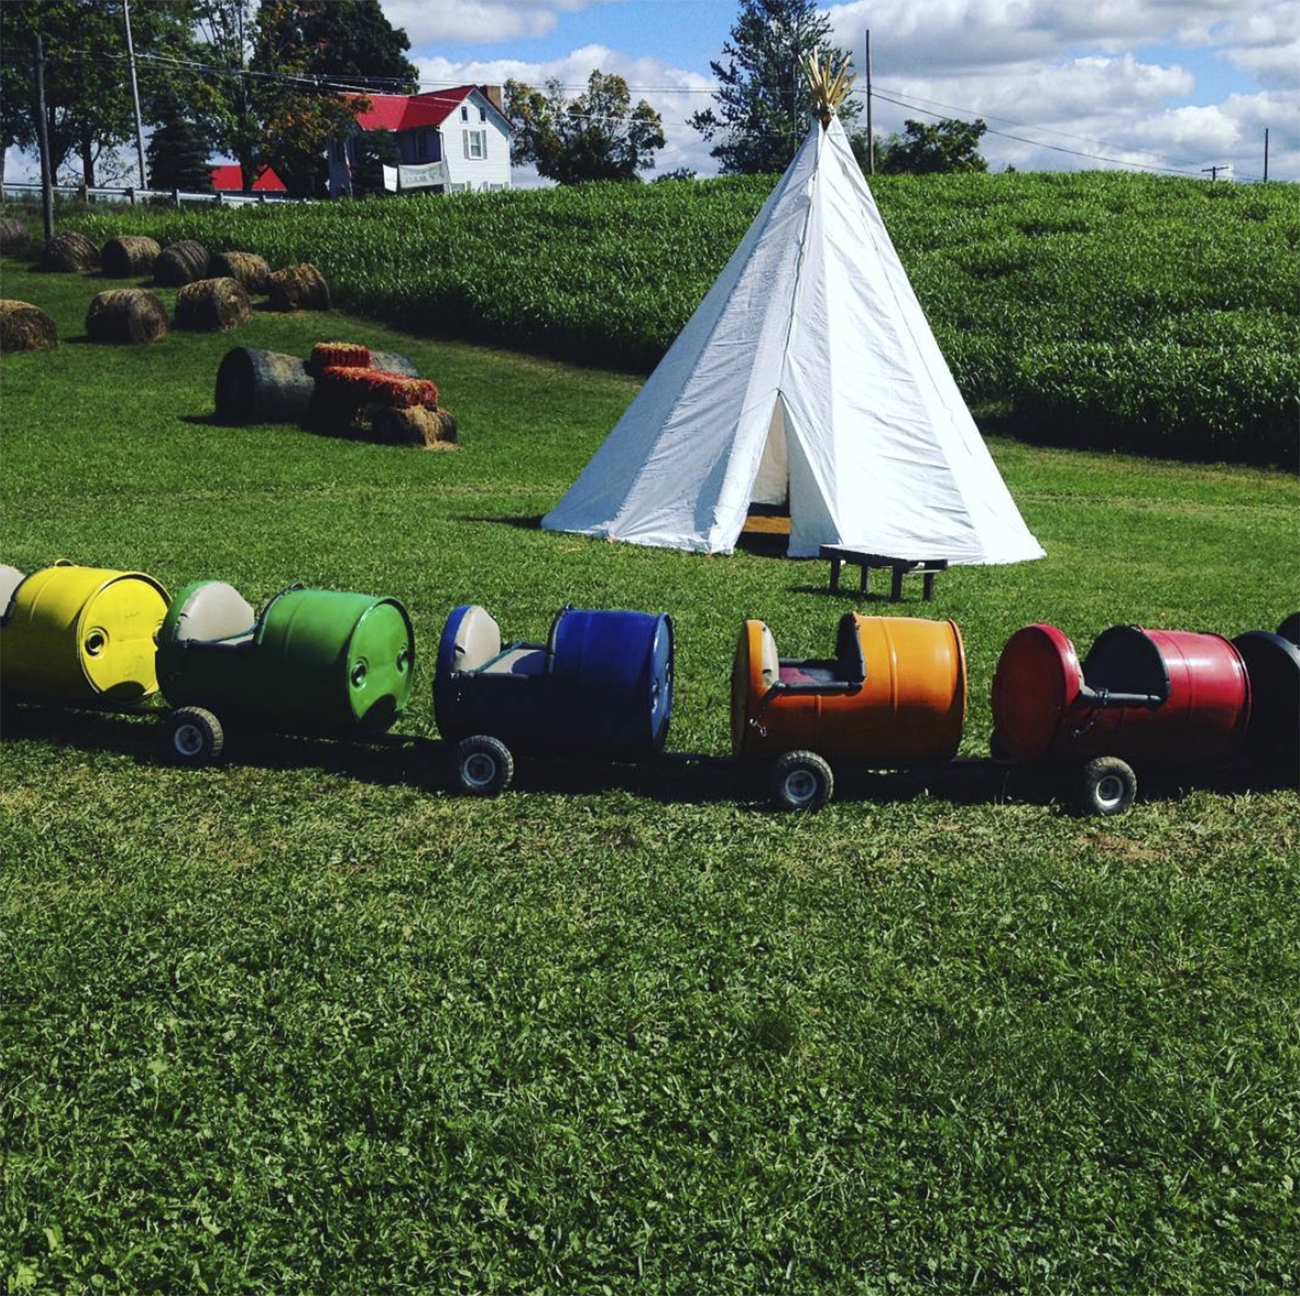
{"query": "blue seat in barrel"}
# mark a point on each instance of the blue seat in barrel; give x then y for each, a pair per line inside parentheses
(600, 688)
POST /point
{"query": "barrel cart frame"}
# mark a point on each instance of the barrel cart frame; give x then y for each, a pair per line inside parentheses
(314, 663)
(893, 696)
(599, 688)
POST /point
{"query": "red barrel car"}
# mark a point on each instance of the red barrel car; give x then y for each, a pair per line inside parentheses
(1141, 697)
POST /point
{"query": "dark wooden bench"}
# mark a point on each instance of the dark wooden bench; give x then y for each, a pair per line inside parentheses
(929, 568)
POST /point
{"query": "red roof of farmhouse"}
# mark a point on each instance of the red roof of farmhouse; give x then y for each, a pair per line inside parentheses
(230, 178)
(404, 112)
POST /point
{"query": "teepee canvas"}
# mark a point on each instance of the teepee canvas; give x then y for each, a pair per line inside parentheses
(809, 374)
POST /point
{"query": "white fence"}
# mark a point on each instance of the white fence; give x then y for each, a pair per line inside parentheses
(222, 198)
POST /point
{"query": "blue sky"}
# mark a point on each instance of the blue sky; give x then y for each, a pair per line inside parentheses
(1172, 85)
(1167, 84)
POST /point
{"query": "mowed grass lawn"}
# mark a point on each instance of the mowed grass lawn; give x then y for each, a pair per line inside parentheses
(307, 1023)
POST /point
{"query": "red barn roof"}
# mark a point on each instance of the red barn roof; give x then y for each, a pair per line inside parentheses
(405, 112)
(231, 179)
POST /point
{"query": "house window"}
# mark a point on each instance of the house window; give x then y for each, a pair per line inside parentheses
(464, 114)
(482, 114)
(476, 144)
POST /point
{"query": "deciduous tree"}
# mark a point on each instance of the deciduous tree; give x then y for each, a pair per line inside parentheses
(931, 149)
(87, 91)
(597, 136)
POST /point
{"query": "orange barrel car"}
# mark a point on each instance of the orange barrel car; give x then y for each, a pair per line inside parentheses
(894, 695)
(1141, 697)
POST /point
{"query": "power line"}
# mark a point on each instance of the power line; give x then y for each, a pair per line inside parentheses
(1055, 148)
(881, 92)
(323, 82)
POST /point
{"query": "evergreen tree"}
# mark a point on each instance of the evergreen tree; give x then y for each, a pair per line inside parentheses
(177, 155)
(764, 106)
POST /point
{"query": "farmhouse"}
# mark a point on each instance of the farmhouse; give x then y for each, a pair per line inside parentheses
(450, 141)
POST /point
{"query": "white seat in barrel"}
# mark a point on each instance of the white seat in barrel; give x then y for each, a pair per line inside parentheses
(478, 640)
(10, 579)
(216, 611)
(771, 662)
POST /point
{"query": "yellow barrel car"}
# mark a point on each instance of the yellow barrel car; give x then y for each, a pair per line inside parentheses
(79, 635)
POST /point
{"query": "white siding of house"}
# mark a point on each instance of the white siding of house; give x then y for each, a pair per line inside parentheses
(488, 172)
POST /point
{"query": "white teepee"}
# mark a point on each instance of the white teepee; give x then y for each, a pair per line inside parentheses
(807, 373)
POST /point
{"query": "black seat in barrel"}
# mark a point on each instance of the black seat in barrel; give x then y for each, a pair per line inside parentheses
(1125, 667)
(1273, 666)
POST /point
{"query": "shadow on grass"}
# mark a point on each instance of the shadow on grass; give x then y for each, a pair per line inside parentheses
(388, 761)
(671, 779)
(875, 597)
(533, 523)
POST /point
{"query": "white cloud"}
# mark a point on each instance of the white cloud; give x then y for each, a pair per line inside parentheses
(943, 35)
(429, 22)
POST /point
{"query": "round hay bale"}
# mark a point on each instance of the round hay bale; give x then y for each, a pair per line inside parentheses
(126, 315)
(131, 256)
(430, 428)
(393, 363)
(180, 264)
(212, 305)
(24, 327)
(14, 237)
(247, 268)
(300, 287)
(256, 386)
(69, 253)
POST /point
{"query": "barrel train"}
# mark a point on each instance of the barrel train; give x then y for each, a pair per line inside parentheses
(892, 696)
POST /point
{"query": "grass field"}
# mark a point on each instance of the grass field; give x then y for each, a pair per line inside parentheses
(1104, 310)
(306, 1023)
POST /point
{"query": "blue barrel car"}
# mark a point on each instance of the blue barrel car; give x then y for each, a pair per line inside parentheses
(600, 688)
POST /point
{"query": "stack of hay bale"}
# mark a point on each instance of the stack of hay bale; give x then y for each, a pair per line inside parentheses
(343, 389)
(353, 394)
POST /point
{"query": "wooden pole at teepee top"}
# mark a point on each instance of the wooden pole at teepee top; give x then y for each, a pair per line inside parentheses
(829, 85)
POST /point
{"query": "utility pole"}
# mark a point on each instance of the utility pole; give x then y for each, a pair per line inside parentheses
(135, 94)
(871, 134)
(1213, 171)
(43, 139)
(248, 176)
(1266, 155)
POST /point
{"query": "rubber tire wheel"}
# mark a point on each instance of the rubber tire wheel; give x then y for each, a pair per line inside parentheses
(801, 780)
(1105, 786)
(482, 766)
(192, 736)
